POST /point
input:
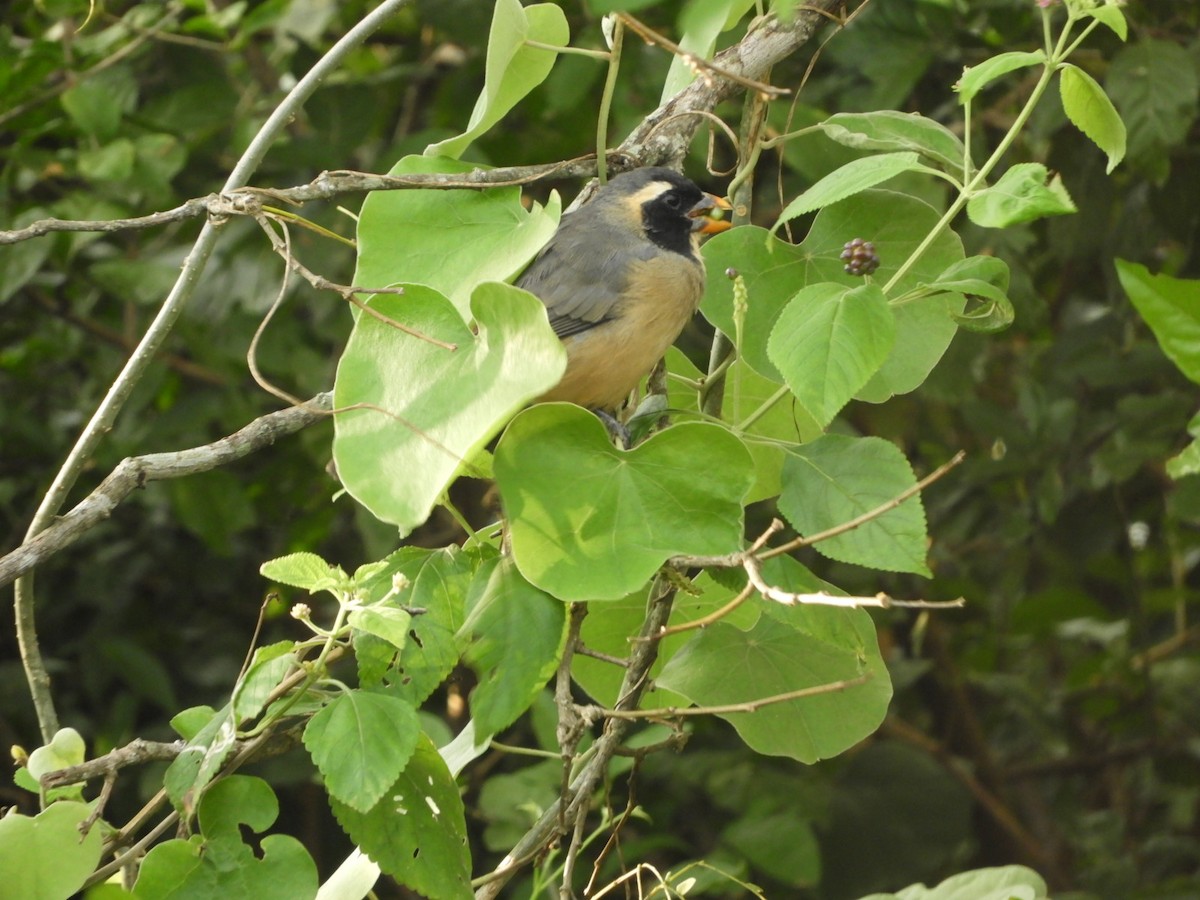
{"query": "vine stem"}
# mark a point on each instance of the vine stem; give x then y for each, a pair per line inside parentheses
(139, 361)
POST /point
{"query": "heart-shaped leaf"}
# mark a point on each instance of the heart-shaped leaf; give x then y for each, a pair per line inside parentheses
(43, 858)
(513, 68)
(590, 522)
(431, 408)
(789, 649)
(451, 240)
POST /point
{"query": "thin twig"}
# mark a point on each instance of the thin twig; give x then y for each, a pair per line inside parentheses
(749, 706)
(696, 63)
(102, 420)
(875, 513)
(135, 472)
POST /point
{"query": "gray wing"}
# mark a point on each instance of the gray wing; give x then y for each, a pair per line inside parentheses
(581, 274)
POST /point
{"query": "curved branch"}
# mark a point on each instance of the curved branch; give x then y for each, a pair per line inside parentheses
(135, 367)
(136, 471)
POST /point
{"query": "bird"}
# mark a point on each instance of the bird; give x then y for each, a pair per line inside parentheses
(620, 278)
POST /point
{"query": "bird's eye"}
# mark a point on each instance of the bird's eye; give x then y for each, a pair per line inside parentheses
(673, 201)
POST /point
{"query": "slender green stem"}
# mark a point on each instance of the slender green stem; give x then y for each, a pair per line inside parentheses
(781, 138)
(578, 51)
(981, 175)
(458, 517)
(610, 86)
(765, 408)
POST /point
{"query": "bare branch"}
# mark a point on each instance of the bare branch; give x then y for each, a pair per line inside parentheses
(749, 706)
(135, 472)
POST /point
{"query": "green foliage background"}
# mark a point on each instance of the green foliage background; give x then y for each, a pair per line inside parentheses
(1064, 694)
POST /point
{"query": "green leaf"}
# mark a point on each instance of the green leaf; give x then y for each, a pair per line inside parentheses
(1090, 110)
(775, 272)
(1155, 86)
(109, 162)
(438, 584)
(386, 622)
(889, 129)
(43, 857)
(608, 628)
(187, 723)
(828, 343)
(976, 78)
(97, 103)
(220, 863)
(361, 742)
(417, 833)
(1112, 16)
(450, 240)
(835, 479)
(192, 770)
(788, 649)
(305, 570)
(1171, 307)
(65, 749)
(20, 262)
(701, 22)
(999, 883)
(983, 279)
(590, 522)
(513, 68)
(270, 666)
(431, 408)
(1186, 462)
(512, 639)
(1025, 192)
(852, 178)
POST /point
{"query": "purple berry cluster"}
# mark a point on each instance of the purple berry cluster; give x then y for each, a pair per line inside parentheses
(860, 257)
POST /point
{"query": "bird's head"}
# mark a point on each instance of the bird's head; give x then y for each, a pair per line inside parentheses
(668, 207)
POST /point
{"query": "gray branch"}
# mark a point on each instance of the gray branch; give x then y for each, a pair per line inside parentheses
(135, 472)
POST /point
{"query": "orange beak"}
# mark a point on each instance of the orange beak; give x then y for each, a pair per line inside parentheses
(706, 215)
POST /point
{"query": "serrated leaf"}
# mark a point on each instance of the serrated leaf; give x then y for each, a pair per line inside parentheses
(828, 343)
(512, 639)
(270, 666)
(852, 178)
(1171, 307)
(1090, 110)
(590, 522)
(976, 78)
(427, 408)
(305, 570)
(775, 272)
(836, 478)
(1155, 86)
(361, 742)
(438, 584)
(450, 240)
(513, 68)
(44, 857)
(890, 129)
(1025, 192)
(200, 761)
(386, 622)
(788, 649)
(417, 832)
